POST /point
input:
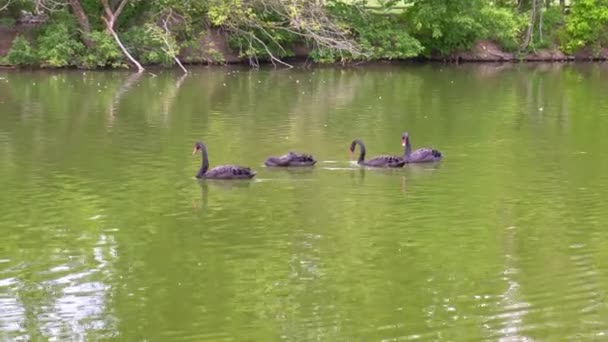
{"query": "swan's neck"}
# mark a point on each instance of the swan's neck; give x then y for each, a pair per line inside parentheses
(362, 153)
(408, 147)
(205, 163)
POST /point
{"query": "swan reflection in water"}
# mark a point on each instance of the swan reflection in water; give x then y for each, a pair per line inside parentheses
(291, 170)
(220, 185)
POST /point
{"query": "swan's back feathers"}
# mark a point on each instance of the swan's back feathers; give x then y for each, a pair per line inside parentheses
(230, 172)
(291, 159)
(422, 155)
(385, 161)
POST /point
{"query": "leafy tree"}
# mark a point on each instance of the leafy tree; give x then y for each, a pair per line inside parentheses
(586, 25)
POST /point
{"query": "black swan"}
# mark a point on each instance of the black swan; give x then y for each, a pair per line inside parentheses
(291, 159)
(421, 155)
(380, 161)
(222, 171)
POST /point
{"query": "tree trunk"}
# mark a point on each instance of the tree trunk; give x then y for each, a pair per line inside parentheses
(122, 47)
(83, 21)
(540, 24)
(109, 18)
(530, 29)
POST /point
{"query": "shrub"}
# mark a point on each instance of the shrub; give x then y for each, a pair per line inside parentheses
(7, 22)
(21, 52)
(586, 25)
(105, 52)
(58, 45)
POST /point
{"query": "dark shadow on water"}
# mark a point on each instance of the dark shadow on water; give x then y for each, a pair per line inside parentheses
(296, 170)
(358, 175)
(225, 184)
(219, 185)
(419, 167)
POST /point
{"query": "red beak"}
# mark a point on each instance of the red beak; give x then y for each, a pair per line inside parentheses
(195, 150)
(402, 142)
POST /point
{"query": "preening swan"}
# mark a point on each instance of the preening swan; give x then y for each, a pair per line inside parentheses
(291, 159)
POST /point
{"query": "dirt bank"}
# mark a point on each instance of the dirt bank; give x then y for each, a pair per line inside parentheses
(488, 51)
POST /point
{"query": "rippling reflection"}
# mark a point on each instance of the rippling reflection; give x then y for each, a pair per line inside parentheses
(107, 235)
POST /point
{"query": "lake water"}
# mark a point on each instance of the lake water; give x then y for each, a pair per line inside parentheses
(107, 235)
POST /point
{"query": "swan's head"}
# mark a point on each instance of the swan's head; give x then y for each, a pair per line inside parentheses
(404, 137)
(353, 144)
(197, 147)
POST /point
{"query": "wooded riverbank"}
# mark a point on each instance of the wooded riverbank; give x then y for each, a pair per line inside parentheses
(93, 34)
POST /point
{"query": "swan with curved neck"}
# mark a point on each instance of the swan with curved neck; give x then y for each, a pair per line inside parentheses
(291, 159)
(222, 171)
(379, 161)
(421, 155)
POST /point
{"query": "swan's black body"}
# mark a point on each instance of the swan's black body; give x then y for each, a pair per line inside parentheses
(290, 159)
(421, 155)
(380, 161)
(222, 171)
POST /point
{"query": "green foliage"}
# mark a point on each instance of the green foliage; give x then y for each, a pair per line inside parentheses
(552, 22)
(447, 26)
(273, 41)
(7, 22)
(21, 52)
(386, 36)
(586, 25)
(380, 36)
(503, 25)
(104, 52)
(59, 45)
(155, 31)
(146, 46)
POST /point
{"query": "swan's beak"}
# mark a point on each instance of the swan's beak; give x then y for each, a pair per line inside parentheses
(403, 142)
(195, 150)
(351, 154)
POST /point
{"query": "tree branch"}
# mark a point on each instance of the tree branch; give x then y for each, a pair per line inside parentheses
(106, 8)
(172, 54)
(8, 2)
(121, 6)
(122, 47)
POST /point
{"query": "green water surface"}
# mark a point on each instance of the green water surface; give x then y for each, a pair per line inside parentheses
(107, 235)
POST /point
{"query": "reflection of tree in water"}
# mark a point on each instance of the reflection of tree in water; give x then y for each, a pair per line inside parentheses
(113, 106)
(170, 97)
